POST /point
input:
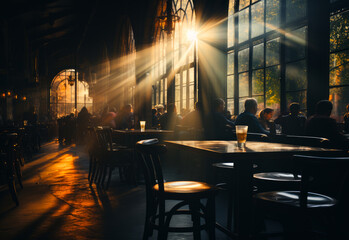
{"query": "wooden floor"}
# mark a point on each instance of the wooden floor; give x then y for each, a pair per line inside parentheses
(58, 203)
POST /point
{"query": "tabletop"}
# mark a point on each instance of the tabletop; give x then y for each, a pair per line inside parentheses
(140, 132)
(230, 147)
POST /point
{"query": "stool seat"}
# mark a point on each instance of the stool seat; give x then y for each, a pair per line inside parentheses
(185, 187)
(277, 176)
(291, 198)
(224, 165)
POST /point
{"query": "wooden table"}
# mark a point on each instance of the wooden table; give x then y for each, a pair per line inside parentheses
(227, 151)
(131, 137)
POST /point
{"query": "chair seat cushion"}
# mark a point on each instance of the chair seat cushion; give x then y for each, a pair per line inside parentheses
(277, 176)
(185, 187)
(291, 198)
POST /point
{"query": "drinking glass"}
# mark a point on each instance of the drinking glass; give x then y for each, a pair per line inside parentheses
(241, 135)
(142, 123)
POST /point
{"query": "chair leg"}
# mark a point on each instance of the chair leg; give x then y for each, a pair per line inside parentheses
(90, 169)
(19, 173)
(109, 177)
(93, 170)
(162, 229)
(211, 219)
(195, 209)
(13, 191)
(105, 169)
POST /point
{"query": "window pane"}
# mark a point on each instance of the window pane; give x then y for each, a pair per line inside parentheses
(258, 56)
(339, 68)
(191, 91)
(272, 87)
(272, 14)
(230, 106)
(260, 101)
(231, 31)
(340, 98)
(184, 87)
(295, 44)
(273, 52)
(230, 86)
(296, 76)
(257, 12)
(231, 6)
(299, 97)
(295, 9)
(339, 31)
(230, 63)
(243, 60)
(258, 82)
(243, 4)
(243, 84)
(243, 25)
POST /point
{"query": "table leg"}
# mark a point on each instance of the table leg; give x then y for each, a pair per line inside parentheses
(243, 214)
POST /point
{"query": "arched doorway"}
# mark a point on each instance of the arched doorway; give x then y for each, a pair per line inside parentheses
(62, 94)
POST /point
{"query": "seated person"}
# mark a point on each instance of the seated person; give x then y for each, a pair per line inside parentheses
(294, 122)
(193, 119)
(221, 127)
(248, 117)
(322, 125)
(265, 119)
(346, 120)
(170, 119)
(125, 118)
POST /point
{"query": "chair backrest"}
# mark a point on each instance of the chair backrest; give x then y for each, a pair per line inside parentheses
(104, 138)
(315, 168)
(150, 151)
(306, 141)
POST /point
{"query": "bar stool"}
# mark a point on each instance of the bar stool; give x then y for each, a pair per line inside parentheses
(188, 193)
(303, 202)
(277, 180)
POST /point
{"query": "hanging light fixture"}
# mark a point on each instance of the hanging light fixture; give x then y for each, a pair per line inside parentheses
(71, 80)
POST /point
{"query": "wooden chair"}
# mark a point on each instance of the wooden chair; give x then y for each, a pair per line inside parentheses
(277, 179)
(109, 157)
(188, 193)
(304, 202)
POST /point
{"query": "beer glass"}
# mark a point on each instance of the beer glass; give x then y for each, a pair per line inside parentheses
(142, 123)
(241, 135)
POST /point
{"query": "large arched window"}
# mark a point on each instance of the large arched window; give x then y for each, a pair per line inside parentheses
(62, 94)
(181, 55)
(267, 53)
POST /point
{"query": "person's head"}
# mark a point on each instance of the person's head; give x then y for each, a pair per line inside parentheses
(171, 108)
(128, 108)
(83, 110)
(160, 108)
(266, 114)
(251, 105)
(219, 105)
(294, 108)
(324, 107)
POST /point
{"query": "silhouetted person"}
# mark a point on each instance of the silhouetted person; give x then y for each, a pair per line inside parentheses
(220, 127)
(322, 125)
(154, 118)
(125, 118)
(170, 119)
(194, 118)
(294, 122)
(82, 121)
(264, 119)
(248, 117)
(346, 120)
